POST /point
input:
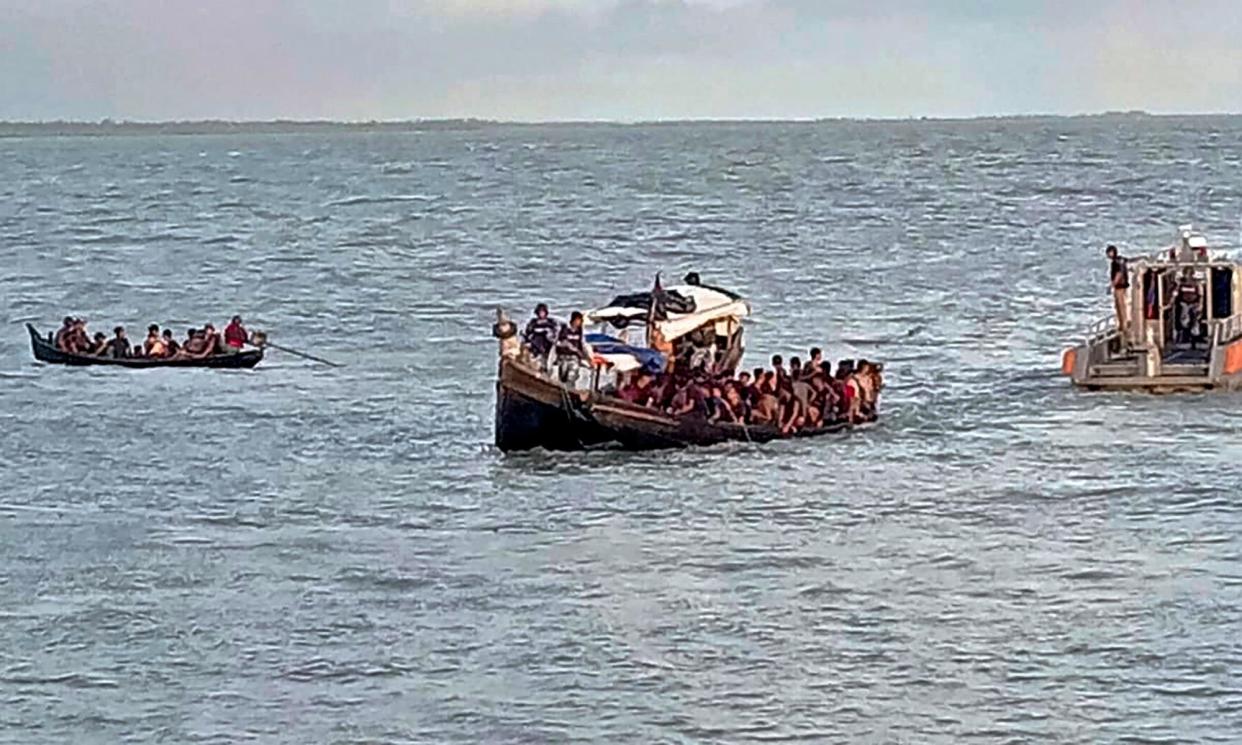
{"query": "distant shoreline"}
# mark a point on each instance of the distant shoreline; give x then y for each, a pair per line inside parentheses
(108, 127)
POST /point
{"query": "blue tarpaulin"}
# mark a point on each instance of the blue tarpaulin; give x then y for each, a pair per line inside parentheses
(650, 359)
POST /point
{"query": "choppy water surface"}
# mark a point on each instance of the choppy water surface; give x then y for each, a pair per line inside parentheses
(300, 554)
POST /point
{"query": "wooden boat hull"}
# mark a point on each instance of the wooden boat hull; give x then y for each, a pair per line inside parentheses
(640, 428)
(45, 351)
(535, 412)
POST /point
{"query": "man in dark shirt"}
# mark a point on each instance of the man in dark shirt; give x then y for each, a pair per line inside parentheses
(1188, 299)
(540, 335)
(118, 346)
(1119, 281)
(571, 351)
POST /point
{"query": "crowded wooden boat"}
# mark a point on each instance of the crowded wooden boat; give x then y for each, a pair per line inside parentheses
(662, 369)
(74, 344)
(1176, 323)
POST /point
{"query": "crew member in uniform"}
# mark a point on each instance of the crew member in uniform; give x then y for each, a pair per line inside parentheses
(1119, 280)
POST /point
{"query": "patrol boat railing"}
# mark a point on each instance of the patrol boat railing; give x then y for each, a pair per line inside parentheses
(1101, 330)
(1227, 329)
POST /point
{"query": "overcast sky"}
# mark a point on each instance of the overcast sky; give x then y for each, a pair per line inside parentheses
(613, 59)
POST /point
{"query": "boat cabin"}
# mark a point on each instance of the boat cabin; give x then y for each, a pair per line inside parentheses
(1182, 330)
(689, 326)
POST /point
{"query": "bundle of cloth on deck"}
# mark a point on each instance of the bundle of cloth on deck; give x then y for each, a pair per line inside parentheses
(625, 308)
(624, 357)
(677, 310)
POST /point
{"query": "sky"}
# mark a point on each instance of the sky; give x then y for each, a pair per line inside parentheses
(622, 60)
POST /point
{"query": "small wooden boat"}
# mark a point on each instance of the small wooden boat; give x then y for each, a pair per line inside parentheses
(45, 351)
(1166, 347)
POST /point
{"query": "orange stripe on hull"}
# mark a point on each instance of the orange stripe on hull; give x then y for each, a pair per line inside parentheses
(1233, 358)
(1068, 360)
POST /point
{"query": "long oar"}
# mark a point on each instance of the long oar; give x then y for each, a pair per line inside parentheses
(296, 353)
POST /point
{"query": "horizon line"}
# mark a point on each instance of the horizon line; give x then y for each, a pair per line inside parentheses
(108, 124)
(109, 121)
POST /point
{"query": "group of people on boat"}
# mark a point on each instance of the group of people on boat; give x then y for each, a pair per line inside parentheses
(545, 335)
(199, 343)
(1183, 302)
(698, 381)
(803, 397)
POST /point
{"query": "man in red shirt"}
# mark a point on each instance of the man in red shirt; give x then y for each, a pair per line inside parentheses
(235, 335)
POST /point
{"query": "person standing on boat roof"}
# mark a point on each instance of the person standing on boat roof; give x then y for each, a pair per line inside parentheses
(540, 335)
(571, 350)
(1119, 281)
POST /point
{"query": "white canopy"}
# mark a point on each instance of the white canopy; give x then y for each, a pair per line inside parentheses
(709, 305)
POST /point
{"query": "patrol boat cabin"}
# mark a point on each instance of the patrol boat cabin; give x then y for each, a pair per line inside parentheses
(1181, 328)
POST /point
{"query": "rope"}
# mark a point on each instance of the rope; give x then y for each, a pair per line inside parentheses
(572, 409)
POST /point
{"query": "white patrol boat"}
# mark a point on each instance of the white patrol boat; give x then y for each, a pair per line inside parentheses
(1182, 327)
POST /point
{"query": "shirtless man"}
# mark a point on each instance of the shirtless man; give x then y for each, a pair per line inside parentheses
(79, 339)
(61, 340)
(196, 347)
(170, 343)
(767, 406)
(792, 415)
(737, 402)
(865, 377)
(691, 398)
(814, 362)
(825, 399)
(153, 345)
(215, 343)
(72, 337)
(778, 367)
